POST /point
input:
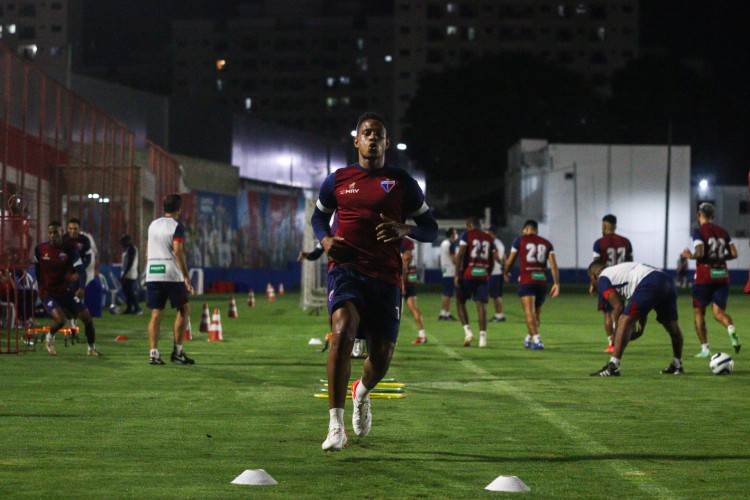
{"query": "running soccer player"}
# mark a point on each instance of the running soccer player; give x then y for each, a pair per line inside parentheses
(167, 278)
(410, 277)
(496, 276)
(57, 263)
(364, 274)
(610, 249)
(534, 252)
(474, 262)
(633, 290)
(712, 248)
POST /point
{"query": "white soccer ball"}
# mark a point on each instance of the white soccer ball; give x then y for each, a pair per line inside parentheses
(721, 364)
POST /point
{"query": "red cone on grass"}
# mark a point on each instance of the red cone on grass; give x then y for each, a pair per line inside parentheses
(214, 332)
(232, 308)
(204, 327)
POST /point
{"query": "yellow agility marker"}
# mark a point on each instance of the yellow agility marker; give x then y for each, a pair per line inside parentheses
(387, 385)
(373, 395)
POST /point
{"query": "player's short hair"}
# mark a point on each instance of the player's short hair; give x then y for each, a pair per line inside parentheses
(74, 220)
(532, 224)
(54, 223)
(474, 221)
(370, 115)
(707, 209)
(596, 266)
(125, 239)
(172, 203)
(449, 232)
(610, 219)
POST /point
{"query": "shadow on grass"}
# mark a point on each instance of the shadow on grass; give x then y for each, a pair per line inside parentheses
(441, 456)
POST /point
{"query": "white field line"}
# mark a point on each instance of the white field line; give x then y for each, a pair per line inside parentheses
(620, 467)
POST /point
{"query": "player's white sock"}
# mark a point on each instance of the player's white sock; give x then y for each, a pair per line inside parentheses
(499, 316)
(154, 353)
(467, 329)
(704, 347)
(677, 361)
(421, 335)
(178, 349)
(731, 329)
(362, 391)
(536, 338)
(444, 313)
(92, 347)
(615, 360)
(528, 338)
(336, 417)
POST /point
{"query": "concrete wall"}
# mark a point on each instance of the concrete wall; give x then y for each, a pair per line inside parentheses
(569, 188)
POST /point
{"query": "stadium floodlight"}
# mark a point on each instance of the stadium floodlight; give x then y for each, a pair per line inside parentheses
(703, 185)
(401, 146)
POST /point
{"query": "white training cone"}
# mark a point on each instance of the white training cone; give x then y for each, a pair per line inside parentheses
(315, 341)
(255, 477)
(507, 483)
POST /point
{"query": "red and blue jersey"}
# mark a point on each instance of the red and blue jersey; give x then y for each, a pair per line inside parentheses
(83, 245)
(613, 249)
(412, 277)
(359, 196)
(533, 253)
(478, 254)
(54, 266)
(712, 267)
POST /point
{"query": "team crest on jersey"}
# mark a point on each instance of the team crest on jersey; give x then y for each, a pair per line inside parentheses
(387, 185)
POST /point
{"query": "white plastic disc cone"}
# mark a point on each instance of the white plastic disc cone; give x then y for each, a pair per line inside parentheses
(315, 341)
(255, 477)
(507, 483)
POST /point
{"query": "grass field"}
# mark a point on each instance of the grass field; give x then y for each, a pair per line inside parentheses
(81, 427)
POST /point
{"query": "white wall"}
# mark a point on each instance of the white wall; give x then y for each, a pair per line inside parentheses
(627, 181)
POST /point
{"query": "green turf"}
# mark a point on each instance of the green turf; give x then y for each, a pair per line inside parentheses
(80, 427)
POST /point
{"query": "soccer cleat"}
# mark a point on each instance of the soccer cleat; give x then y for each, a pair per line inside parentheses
(181, 359)
(610, 349)
(703, 354)
(361, 416)
(673, 369)
(451, 318)
(419, 340)
(51, 345)
(482, 340)
(155, 360)
(537, 346)
(609, 370)
(527, 344)
(495, 319)
(336, 439)
(442, 318)
(467, 340)
(735, 340)
(93, 352)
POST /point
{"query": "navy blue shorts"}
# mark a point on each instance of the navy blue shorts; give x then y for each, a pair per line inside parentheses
(410, 291)
(71, 305)
(656, 292)
(496, 285)
(703, 295)
(449, 287)
(604, 305)
(157, 293)
(538, 291)
(474, 289)
(378, 302)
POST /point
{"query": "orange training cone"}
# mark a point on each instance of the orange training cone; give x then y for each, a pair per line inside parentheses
(269, 288)
(214, 333)
(251, 298)
(204, 327)
(232, 308)
(271, 295)
(188, 331)
(281, 288)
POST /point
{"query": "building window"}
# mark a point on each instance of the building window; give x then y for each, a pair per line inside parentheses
(451, 30)
(434, 56)
(361, 43)
(388, 58)
(434, 34)
(598, 11)
(27, 10)
(55, 51)
(434, 11)
(27, 51)
(469, 34)
(27, 33)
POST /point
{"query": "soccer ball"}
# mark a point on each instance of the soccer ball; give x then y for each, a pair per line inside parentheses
(113, 309)
(721, 364)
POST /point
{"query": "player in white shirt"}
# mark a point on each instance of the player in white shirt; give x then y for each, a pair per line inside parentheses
(496, 276)
(167, 277)
(448, 266)
(633, 290)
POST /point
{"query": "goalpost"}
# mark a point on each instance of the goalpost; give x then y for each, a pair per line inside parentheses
(314, 291)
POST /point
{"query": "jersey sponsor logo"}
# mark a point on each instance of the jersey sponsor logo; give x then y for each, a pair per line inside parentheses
(157, 269)
(718, 273)
(330, 296)
(539, 276)
(478, 271)
(387, 185)
(351, 189)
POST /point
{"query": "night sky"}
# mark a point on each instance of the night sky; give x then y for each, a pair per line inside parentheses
(711, 32)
